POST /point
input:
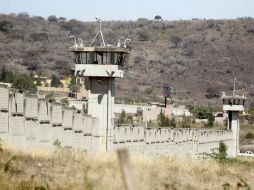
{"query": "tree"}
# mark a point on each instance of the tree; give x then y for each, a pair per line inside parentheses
(212, 92)
(74, 86)
(52, 18)
(148, 91)
(202, 113)
(41, 36)
(122, 119)
(38, 82)
(163, 120)
(250, 117)
(50, 97)
(142, 35)
(172, 122)
(157, 17)
(210, 120)
(176, 40)
(62, 19)
(6, 25)
(23, 16)
(190, 108)
(65, 102)
(205, 113)
(55, 81)
(139, 114)
(6, 76)
(24, 82)
(186, 122)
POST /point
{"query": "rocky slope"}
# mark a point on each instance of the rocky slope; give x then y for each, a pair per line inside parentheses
(199, 58)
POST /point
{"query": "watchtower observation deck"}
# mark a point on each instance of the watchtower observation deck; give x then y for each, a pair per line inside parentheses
(233, 102)
(99, 61)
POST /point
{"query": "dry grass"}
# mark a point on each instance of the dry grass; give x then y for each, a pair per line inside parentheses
(65, 169)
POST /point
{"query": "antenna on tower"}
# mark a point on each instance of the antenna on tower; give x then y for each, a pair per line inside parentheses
(125, 41)
(80, 40)
(234, 90)
(99, 33)
(75, 42)
(119, 41)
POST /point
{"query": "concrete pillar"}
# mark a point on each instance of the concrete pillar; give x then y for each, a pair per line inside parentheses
(98, 141)
(116, 135)
(44, 136)
(67, 118)
(43, 111)
(4, 125)
(78, 122)
(56, 114)
(100, 105)
(31, 107)
(87, 132)
(32, 134)
(235, 132)
(17, 131)
(17, 103)
(4, 99)
(4, 115)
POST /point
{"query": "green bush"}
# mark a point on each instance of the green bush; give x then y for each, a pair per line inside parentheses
(202, 113)
(148, 91)
(65, 102)
(74, 86)
(6, 25)
(142, 35)
(176, 40)
(186, 122)
(57, 143)
(50, 97)
(24, 82)
(221, 155)
(249, 136)
(122, 119)
(55, 82)
(39, 36)
(164, 121)
(6, 76)
(251, 116)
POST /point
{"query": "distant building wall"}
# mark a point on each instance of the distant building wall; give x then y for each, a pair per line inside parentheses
(53, 89)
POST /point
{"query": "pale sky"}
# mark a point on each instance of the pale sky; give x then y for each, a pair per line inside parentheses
(131, 9)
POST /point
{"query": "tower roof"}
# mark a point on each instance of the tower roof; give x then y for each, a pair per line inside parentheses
(243, 97)
(102, 49)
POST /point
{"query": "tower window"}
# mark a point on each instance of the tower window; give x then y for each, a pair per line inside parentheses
(78, 58)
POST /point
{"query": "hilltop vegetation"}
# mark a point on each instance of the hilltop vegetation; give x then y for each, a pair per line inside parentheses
(199, 58)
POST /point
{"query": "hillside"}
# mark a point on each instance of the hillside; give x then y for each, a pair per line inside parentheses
(199, 58)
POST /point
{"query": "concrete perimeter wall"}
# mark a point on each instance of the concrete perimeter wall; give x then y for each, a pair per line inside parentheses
(27, 122)
(172, 141)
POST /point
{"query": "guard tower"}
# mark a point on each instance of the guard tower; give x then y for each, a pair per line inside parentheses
(233, 105)
(100, 65)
